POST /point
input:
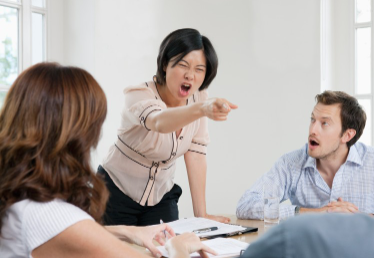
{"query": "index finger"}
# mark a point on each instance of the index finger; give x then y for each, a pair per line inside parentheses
(231, 105)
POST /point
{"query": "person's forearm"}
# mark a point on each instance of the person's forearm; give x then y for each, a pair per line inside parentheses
(196, 170)
(311, 210)
(197, 188)
(250, 206)
(173, 119)
(121, 232)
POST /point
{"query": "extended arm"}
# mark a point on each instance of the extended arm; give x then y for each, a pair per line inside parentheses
(88, 239)
(196, 169)
(173, 119)
(85, 239)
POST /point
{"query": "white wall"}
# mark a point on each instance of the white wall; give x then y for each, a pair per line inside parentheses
(269, 65)
(339, 45)
(55, 32)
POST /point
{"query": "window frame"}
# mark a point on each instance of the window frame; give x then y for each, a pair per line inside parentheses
(25, 10)
(355, 26)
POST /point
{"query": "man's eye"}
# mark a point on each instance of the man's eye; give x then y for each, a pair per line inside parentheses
(312, 119)
(325, 123)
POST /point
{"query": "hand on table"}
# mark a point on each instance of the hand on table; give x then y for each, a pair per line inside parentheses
(221, 219)
(341, 206)
(218, 109)
(185, 244)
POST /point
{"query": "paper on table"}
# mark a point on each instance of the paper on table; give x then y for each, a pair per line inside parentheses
(191, 224)
(223, 246)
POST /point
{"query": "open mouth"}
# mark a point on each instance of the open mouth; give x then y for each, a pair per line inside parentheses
(313, 143)
(184, 89)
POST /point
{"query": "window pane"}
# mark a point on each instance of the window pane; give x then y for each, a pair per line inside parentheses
(2, 97)
(38, 3)
(363, 11)
(8, 45)
(363, 61)
(37, 38)
(366, 136)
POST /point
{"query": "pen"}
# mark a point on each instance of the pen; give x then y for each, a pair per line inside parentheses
(166, 237)
(204, 230)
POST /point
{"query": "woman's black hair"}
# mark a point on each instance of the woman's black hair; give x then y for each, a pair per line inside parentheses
(177, 45)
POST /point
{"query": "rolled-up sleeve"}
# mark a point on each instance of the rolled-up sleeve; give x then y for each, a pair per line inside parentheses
(251, 204)
(140, 102)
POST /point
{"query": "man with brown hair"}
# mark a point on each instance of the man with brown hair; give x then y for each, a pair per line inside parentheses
(331, 173)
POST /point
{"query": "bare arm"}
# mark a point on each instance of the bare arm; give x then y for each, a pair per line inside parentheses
(143, 236)
(85, 239)
(196, 169)
(88, 239)
(173, 119)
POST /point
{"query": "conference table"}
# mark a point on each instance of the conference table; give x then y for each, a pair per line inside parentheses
(247, 237)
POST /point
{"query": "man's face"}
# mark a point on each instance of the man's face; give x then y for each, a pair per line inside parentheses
(325, 131)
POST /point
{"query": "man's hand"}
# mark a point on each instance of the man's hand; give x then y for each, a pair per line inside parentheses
(341, 206)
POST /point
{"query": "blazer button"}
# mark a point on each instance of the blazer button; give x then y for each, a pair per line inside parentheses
(181, 138)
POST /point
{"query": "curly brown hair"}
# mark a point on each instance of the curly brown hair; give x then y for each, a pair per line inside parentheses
(50, 121)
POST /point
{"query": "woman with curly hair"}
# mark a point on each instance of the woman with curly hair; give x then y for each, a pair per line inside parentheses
(50, 199)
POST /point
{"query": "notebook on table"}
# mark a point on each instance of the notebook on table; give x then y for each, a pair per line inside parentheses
(206, 228)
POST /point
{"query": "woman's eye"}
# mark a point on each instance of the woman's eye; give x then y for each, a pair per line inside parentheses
(183, 65)
(325, 123)
(200, 70)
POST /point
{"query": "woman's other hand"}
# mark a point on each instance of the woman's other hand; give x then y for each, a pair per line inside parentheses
(217, 109)
(221, 219)
(185, 244)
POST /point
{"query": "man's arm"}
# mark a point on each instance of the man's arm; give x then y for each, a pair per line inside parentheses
(251, 204)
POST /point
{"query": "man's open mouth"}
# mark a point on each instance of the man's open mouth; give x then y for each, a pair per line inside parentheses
(313, 143)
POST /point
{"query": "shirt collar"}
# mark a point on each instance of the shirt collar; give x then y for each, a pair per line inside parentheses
(353, 157)
(310, 163)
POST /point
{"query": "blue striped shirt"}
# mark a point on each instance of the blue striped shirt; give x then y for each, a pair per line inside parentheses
(298, 180)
